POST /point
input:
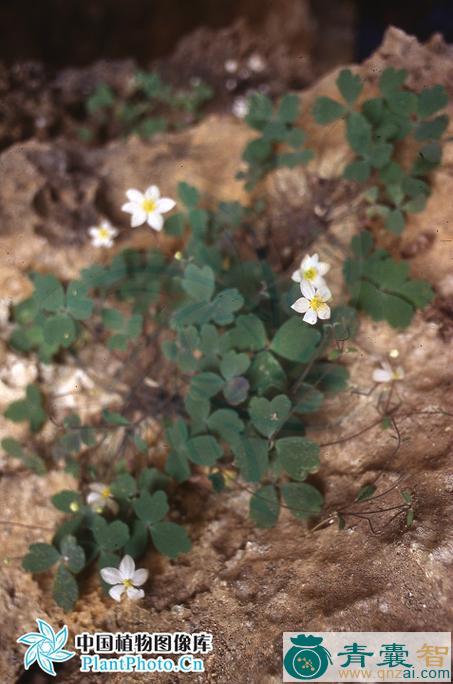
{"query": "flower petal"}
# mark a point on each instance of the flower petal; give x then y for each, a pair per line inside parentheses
(323, 312)
(130, 207)
(94, 499)
(381, 375)
(310, 317)
(117, 591)
(152, 192)
(127, 568)
(307, 262)
(139, 577)
(135, 594)
(324, 293)
(165, 204)
(307, 289)
(97, 487)
(301, 305)
(111, 575)
(135, 196)
(323, 268)
(296, 276)
(138, 217)
(155, 220)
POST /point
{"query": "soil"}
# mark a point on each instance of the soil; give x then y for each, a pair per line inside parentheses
(244, 585)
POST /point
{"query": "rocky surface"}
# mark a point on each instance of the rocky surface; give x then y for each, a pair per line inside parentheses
(245, 585)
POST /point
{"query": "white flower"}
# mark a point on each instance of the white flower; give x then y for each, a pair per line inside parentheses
(147, 207)
(100, 497)
(231, 66)
(103, 235)
(387, 374)
(312, 270)
(240, 107)
(125, 579)
(256, 63)
(313, 303)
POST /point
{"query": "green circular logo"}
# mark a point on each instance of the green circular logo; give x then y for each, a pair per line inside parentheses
(307, 659)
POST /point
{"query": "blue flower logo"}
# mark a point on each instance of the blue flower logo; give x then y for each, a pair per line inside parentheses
(45, 647)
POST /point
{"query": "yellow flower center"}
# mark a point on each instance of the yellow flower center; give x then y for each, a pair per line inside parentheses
(316, 303)
(148, 205)
(310, 273)
(104, 233)
(106, 492)
(128, 583)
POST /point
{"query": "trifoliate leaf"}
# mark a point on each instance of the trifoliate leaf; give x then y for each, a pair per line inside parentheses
(358, 132)
(236, 390)
(205, 385)
(224, 305)
(79, 305)
(31, 461)
(110, 537)
(265, 506)
(60, 330)
(365, 492)
(266, 373)
(174, 225)
(177, 466)
(138, 541)
(65, 590)
(358, 171)
(391, 80)
(296, 341)
(433, 129)
(49, 293)
(29, 409)
(269, 416)
(326, 110)
(308, 399)
(395, 221)
(288, 109)
(151, 508)
(349, 85)
(170, 539)
(298, 456)
(226, 423)
(303, 499)
(123, 486)
(249, 333)
(114, 418)
(40, 557)
(67, 501)
(329, 377)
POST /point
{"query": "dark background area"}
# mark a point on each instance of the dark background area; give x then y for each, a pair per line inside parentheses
(79, 32)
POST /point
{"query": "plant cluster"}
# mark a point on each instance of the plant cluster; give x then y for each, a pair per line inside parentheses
(254, 370)
(152, 106)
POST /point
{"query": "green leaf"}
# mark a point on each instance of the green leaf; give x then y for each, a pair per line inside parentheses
(406, 496)
(308, 399)
(358, 171)
(199, 282)
(395, 221)
(257, 151)
(391, 80)
(358, 132)
(266, 373)
(236, 390)
(174, 225)
(433, 129)
(40, 557)
(402, 102)
(365, 492)
(123, 486)
(233, 364)
(112, 319)
(226, 423)
(29, 409)
(349, 85)
(251, 457)
(31, 461)
(110, 537)
(79, 305)
(177, 466)
(431, 100)
(138, 542)
(329, 377)
(67, 501)
(49, 293)
(260, 111)
(60, 330)
(224, 306)
(269, 416)
(298, 456)
(296, 341)
(114, 418)
(288, 109)
(204, 450)
(205, 385)
(170, 539)
(249, 333)
(188, 195)
(265, 506)
(72, 554)
(65, 590)
(151, 508)
(326, 110)
(198, 219)
(303, 499)
(410, 518)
